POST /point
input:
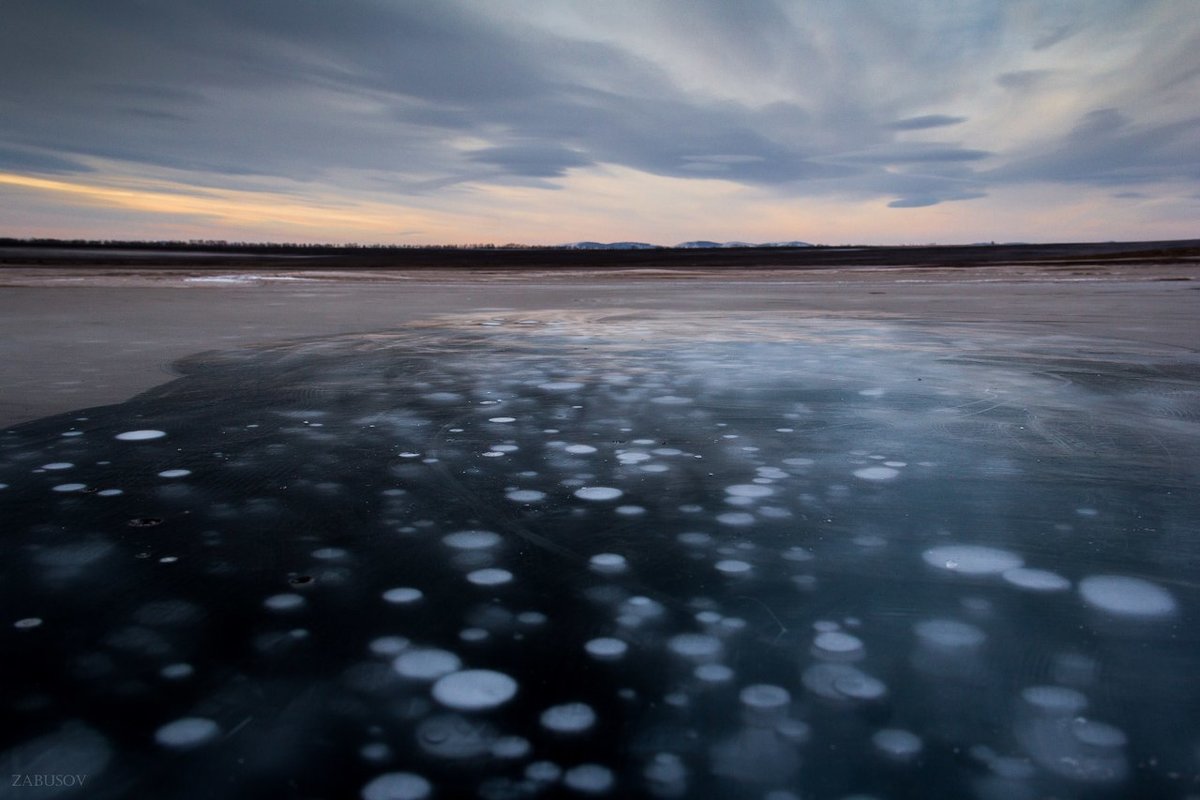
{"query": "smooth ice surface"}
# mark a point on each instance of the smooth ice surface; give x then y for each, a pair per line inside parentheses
(662, 567)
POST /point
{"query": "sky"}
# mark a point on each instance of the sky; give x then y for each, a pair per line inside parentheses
(551, 121)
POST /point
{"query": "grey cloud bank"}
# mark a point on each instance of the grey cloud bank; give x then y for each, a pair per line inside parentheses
(911, 103)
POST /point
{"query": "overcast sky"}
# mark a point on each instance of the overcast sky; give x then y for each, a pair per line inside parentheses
(546, 121)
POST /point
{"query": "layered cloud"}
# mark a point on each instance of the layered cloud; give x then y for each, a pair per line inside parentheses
(431, 108)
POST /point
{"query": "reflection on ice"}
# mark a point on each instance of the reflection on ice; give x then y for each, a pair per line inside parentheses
(607, 556)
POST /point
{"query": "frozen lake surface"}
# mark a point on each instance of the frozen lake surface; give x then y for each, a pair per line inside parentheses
(670, 555)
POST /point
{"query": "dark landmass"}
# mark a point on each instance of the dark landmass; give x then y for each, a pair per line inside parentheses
(222, 255)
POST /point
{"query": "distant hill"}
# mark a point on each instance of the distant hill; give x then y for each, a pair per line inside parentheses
(703, 244)
(610, 246)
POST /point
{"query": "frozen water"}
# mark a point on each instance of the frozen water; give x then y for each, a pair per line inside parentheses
(474, 690)
(973, 585)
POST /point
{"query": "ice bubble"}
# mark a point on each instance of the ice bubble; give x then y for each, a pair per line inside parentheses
(426, 663)
(110, 492)
(713, 673)
(1098, 735)
(543, 772)
(490, 576)
(58, 465)
(532, 618)
(876, 473)
(764, 698)
(1035, 580)
(630, 511)
(697, 647)
(27, 623)
(873, 392)
(608, 563)
(732, 566)
(736, 518)
(70, 487)
(403, 595)
(525, 495)
(1126, 597)
(666, 775)
(471, 540)
(948, 634)
(606, 648)
(473, 635)
(560, 386)
(579, 449)
(837, 645)
(284, 602)
(186, 733)
(694, 539)
(1054, 701)
(969, 559)
(174, 473)
(454, 737)
(590, 779)
(671, 400)
(388, 646)
(749, 490)
(568, 718)
(504, 448)
(397, 786)
(502, 419)
(140, 436)
(177, 672)
(474, 689)
(598, 493)
(511, 747)
(897, 744)
(836, 681)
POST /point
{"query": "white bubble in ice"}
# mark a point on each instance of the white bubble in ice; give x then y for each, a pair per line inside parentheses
(897, 744)
(598, 493)
(504, 448)
(630, 511)
(532, 618)
(402, 595)
(177, 672)
(474, 689)
(608, 563)
(284, 602)
(560, 386)
(1055, 701)
(579, 449)
(174, 473)
(838, 681)
(543, 772)
(27, 623)
(590, 779)
(736, 518)
(606, 648)
(186, 733)
(471, 540)
(397, 786)
(490, 576)
(749, 490)
(502, 419)
(525, 495)
(876, 473)
(568, 718)
(1126, 597)
(713, 673)
(388, 646)
(426, 663)
(837, 644)
(948, 634)
(329, 553)
(671, 400)
(110, 492)
(694, 539)
(70, 487)
(1035, 580)
(58, 465)
(511, 747)
(140, 436)
(970, 559)
(697, 647)
(732, 566)
(873, 392)
(765, 698)
(1098, 735)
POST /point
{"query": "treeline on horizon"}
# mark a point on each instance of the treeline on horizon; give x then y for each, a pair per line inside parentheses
(319, 248)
